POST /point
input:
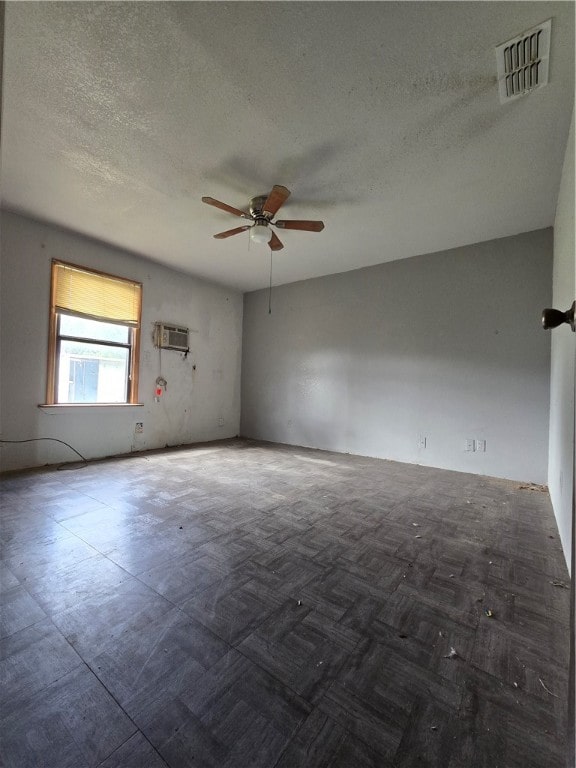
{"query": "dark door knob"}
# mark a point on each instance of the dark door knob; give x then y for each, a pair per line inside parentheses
(552, 318)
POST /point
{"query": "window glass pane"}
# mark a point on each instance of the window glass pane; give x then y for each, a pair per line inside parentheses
(92, 373)
(93, 329)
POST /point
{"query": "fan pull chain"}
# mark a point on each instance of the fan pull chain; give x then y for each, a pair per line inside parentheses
(270, 286)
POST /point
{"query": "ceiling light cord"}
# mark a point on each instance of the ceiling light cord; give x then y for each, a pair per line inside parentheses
(270, 286)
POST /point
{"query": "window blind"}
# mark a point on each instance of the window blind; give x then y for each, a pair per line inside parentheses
(96, 296)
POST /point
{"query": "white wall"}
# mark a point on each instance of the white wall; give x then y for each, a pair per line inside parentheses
(194, 402)
(560, 467)
(447, 346)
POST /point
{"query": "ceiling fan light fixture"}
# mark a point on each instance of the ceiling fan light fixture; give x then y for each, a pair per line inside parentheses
(260, 233)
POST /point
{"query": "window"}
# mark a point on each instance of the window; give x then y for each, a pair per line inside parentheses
(94, 337)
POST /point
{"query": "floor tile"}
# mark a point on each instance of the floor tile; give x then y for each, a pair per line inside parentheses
(237, 715)
(302, 648)
(31, 660)
(19, 610)
(336, 590)
(26, 527)
(502, 727)
(74, 723)
(69, 504)
(148, 667)
(284, 570)
(380, 684)
(62, 589)
(185, 576)
(322, 743)
(139, 552)
(128, 607)
(233, 607)
(137, 752)
(33, 560)
(103, 527)
(7, 579)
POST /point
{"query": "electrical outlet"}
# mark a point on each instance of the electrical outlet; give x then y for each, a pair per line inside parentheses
(469, 445)
(421, 441)
(481, 446)
(139, 428)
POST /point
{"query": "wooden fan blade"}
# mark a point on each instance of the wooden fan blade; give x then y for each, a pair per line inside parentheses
(275, 243)
(230, 232)
(225, 207)
(308, 226)
(276, 198)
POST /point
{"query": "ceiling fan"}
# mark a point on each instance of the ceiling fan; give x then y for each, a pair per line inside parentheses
(263, 208)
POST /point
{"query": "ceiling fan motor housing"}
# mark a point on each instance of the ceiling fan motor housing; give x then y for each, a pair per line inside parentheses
(256, 208)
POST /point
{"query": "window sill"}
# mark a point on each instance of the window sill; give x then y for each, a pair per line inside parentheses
(90, 405)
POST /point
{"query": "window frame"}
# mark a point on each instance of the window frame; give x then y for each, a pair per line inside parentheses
(55, 338)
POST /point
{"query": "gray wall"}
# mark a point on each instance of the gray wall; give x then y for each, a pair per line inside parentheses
(201, 404)
(561, 467)
(447, 346)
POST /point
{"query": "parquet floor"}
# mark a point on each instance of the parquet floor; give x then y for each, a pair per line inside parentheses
(242, 605)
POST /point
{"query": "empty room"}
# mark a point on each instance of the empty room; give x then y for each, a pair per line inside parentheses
(287, 385)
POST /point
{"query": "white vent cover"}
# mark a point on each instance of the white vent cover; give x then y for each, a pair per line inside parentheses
(523, 62)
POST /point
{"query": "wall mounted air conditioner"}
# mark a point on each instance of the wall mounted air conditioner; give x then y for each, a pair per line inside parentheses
(171, 337)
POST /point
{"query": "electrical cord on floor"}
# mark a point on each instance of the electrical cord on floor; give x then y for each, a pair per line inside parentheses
(55, 440)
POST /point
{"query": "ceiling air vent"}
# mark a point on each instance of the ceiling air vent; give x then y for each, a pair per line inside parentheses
(523, 62)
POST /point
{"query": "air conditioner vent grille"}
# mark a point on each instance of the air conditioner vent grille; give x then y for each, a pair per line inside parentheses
(171, 337)
(523, 62)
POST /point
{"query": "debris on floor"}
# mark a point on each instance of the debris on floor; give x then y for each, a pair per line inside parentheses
(488, 612)
(418, 536)
(547, 689)
(559, 584)
(299, 602)
(433, 727)
(452, 655)
(533, 487)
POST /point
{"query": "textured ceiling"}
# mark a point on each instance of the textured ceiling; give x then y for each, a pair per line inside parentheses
(382, 118)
